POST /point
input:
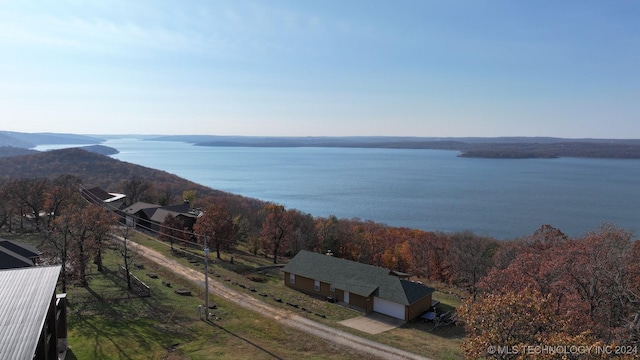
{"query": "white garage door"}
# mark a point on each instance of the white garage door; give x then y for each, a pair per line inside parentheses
(388, 308)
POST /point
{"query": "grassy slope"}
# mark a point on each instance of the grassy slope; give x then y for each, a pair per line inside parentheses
(166, 325)
(417, 337)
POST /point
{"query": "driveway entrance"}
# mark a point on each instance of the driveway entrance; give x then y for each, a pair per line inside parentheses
(373, 323)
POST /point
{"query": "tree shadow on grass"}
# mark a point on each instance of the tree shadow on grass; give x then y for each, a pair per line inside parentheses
(99, 334)
(446, 331)
(70, 355)
(109, 321)
(244, 339)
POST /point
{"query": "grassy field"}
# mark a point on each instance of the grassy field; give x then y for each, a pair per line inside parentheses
(417, 337)
(105, 324)
(167, 326)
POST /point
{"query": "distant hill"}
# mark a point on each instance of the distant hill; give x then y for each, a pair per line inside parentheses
(503, 147)
(8, 140)
(100, 149)
(100, 170)
(7, 151)
(29, 140)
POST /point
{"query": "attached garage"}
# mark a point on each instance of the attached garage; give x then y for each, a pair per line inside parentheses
(361, 286)
(387, 307)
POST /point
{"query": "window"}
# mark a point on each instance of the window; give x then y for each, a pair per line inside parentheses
(292, 278)
(316, 285)
(332, 288)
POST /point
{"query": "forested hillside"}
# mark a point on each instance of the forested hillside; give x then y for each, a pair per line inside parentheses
(8, 151)
(613, 150)
(97, 170)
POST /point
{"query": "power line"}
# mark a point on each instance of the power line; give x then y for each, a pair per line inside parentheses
(138, 219)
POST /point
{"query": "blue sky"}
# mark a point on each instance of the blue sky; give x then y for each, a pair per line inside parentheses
(322, 68)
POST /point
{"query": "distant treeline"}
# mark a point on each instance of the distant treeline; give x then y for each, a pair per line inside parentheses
(474, 147)
(505, 148)
(554, 150)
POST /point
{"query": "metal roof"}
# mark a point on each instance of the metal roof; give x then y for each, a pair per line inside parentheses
(361, 279)
(115, 197)
(25, 297)
(96, 193)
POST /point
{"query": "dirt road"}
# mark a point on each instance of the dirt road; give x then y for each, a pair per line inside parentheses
(363, 346)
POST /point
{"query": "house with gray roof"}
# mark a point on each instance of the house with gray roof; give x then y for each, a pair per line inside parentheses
(361, 286)
(150, 216)
(33, 319)
(15, 254)
(139, 213)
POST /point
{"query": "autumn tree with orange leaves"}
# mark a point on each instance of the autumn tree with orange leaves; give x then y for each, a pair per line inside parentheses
(215, 228)
(277, 229)
(78, 235)
(558, 291)
(519, 325)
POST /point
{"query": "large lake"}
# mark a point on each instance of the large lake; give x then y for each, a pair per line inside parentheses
(425, 189)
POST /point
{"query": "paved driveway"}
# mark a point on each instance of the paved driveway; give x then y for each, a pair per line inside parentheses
(373, 323)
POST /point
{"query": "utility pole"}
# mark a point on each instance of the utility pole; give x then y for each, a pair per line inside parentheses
(206, 282)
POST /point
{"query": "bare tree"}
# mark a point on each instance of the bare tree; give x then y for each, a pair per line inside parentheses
(7, 206)
(173, 230)
(136, 188)
(304, 234)
(104, 221)
(122, 241)
(31, 193)
(60, 194)
(471, 258)
(59, 238)
(422, 253)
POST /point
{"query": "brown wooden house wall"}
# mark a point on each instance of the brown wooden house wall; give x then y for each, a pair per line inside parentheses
(307, 285)
(361, 302)
(418, 308)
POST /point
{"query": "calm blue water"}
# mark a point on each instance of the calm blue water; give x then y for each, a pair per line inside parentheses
(425, 189)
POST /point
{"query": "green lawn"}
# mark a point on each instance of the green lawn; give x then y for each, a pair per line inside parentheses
(417, 337)
(105, 324)
(166, 325)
